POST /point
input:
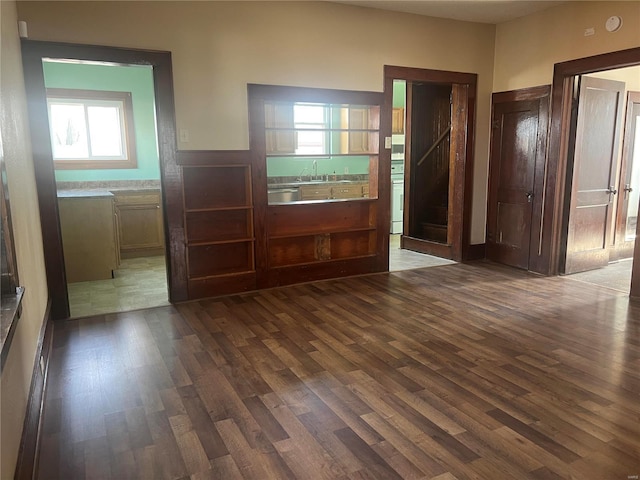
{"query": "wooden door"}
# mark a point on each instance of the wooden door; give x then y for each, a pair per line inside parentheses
(593, 188)
(517, 142)
(629, 187)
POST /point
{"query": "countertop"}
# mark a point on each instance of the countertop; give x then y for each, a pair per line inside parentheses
(107, 188)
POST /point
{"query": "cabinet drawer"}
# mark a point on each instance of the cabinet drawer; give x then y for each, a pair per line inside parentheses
(347, 191)
(137, 199)
(315, 192)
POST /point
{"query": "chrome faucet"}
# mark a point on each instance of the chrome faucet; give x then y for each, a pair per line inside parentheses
(305, 169)
(315, 169)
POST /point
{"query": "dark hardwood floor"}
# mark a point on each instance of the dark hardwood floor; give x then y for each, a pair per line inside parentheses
(468, 371)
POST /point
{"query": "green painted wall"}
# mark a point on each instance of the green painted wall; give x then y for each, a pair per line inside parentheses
(135, 79)
(399, 93)
(293, 167)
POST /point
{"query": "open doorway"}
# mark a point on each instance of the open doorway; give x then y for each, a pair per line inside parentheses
(430, 114)
(603, 177)
(164, 211)
(563, 182)
(105, 154)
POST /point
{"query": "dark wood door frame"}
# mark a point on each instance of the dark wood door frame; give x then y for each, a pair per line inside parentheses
(624, 249)
(542, 94)
(559, 141)
(460, 248)
(33, 52)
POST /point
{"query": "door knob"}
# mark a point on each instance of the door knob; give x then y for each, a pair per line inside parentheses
(627, 188)
(529, 196)
(612, 190)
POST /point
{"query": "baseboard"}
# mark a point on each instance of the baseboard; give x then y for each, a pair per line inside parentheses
(27, 466)
(475, 252)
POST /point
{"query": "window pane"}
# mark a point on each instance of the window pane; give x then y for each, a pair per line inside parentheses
(310, 143)
(105, 131)
(68, 131)
(309, 114)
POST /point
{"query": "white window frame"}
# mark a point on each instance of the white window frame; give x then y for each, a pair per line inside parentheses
(88, 98)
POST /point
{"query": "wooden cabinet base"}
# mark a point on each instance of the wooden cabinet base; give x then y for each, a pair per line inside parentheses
(88, 238)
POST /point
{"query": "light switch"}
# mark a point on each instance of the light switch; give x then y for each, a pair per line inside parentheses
(184, 135)
(387, 143)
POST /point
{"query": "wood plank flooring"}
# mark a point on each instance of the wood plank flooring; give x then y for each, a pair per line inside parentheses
(468, 371)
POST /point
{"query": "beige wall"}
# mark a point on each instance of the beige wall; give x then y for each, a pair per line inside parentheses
(219, 47)
(527, 48)
(16, 374)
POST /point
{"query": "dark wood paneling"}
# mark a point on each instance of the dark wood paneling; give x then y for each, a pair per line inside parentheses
(292, 250)
(314, 218)
(32, 54)
(476, 252)
(288, 275)
(220, 259)
(29, 453)
(213, 157)
(218, 225)
(216, 187)
(222, 285)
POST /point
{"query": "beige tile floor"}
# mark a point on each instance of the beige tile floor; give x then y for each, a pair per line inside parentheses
(400, 259)
(142, 283)
(616, 275)
(138, 283)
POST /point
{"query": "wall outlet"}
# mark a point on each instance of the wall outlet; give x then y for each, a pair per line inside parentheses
(346, 170)
(589, 31)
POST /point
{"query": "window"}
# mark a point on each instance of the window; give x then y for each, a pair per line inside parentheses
(91, 129)
(308, 118)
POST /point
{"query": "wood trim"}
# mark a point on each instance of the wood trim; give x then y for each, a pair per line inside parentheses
(523, 94)
(556, 165)
(476, 252)
(622, 248)
(426, 75)
(28, 455)
(425, 246)
(635, 272)
(410, 74)
(171, 174)
(213, 157)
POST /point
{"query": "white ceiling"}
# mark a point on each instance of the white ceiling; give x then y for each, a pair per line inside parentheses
(483, 11)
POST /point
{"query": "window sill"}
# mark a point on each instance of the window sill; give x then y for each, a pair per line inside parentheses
(9, 316)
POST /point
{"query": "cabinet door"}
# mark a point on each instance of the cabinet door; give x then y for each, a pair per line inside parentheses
(88, 238)
(140, 227)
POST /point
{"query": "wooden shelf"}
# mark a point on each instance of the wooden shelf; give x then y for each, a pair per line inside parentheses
(218, 209)
(221, 242)
(224, 275)
(331, 260)
(322, 232)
